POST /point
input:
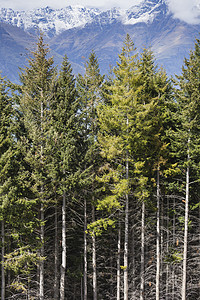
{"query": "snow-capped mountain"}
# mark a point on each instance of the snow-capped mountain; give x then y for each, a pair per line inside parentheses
(145, 12)
(76, 31)
(54, 21)
(50, 21)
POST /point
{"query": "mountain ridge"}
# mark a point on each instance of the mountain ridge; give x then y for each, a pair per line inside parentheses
(149, 24)
(54, 21)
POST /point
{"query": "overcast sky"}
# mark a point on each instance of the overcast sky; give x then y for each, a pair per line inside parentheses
(187, 10)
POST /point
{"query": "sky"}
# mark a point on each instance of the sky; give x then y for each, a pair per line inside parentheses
(187, 10)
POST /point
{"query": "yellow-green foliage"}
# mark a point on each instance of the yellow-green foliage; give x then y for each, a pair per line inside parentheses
(21, 260)
(97, 227)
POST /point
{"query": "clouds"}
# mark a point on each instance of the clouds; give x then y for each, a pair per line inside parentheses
(24, 4)
(108, 4)
(186, 10)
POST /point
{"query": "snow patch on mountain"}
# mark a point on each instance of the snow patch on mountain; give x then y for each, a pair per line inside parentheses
(49, 20)
(54, 21)
(145, 12)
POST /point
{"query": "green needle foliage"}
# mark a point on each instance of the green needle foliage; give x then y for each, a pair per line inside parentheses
(64, 130)
(37, 80)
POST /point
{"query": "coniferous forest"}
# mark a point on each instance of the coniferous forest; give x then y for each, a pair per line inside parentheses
(100, 180)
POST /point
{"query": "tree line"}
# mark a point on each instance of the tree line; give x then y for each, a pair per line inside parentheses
(100, 180)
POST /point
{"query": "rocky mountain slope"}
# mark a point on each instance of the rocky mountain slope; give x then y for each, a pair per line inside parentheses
(76, 31)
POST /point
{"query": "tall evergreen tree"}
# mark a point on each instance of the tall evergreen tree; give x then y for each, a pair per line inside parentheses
(89, 89)
(6, 157)
(37, 80)
(115, 119)
(153, 121)
(187, 149)
(64, 142)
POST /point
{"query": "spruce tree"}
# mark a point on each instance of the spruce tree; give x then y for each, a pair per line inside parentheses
(16, 213)
(187, 150)
(63, 166)
(89, 89)
(37, 80)
(152, 121)
(6, 157)
(115, 121)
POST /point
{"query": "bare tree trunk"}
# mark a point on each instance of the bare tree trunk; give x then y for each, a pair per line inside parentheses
(28, 288)
(41, 266)
(162, 265)
(142, 252)
(126, 252)
(56, 280)
(94, 259)
(126, 229)
(133, 297)
(173, 266)
(3, 285)
(198, 252)
(167, 250)
(118, 261)
(158, 238)
(41, 271)
(184, 282)
(85, 249)
(64, 250)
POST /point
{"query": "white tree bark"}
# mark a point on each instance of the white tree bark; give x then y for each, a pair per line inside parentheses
(167, 250)
(142, 252)
(41, 266)
(133, 292)
(126, 252)
(184, 279)
(118, 261)
(3, 285)
(94, 259)
(126, 229)
(158, 238)
(41, 287)
(56, 280)
(85, 249)
(173, 266)
(64, 250)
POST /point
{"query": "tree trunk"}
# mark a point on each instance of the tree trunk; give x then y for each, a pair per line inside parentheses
(3, 285)
(133, 293)
(94, 259)
(158, 238)
(118, 261)
(41, 267)
(126, 252)
(64, 250)
(85, 249)
(184, 282)
(41, 271)
(162, 265)
(56, 280)
(142, 252)
(167, 250)
(126, 228)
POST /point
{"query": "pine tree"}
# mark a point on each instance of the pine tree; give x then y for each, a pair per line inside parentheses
(16, 214)
(148, 141)
(89, 89)
(115, 119)
(37, 80)
(6, 157)
(187, 148)
(64, 139)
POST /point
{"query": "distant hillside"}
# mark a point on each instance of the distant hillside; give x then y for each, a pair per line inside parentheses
(76, 31)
